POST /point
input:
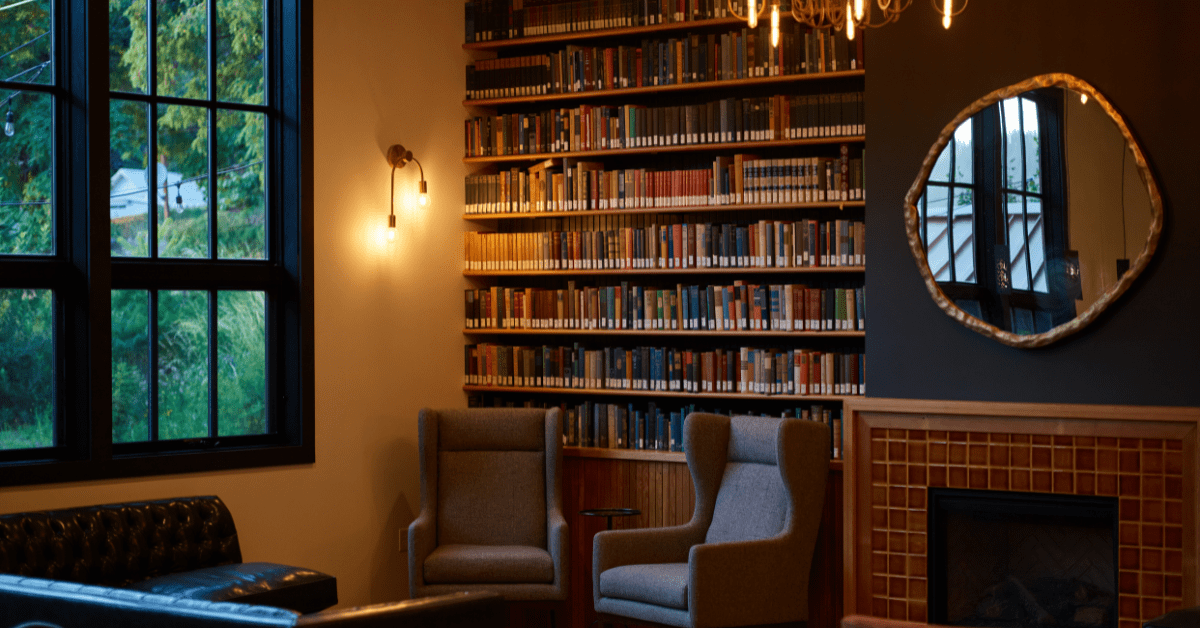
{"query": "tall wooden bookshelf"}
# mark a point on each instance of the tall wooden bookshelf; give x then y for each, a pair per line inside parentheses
(652, 480)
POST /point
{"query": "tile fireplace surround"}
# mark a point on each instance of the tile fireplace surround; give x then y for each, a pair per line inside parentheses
(1144, 456)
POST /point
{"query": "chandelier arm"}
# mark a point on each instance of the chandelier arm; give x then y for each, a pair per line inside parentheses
(729, 6)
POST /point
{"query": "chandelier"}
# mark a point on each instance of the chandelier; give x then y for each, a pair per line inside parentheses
(851, 15)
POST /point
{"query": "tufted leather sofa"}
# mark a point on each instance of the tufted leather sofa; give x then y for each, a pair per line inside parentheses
(186, 547)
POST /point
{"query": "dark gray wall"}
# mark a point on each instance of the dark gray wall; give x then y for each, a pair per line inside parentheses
(1146, 59)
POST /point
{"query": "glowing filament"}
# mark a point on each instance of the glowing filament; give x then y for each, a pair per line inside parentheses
(775, 25)
(753, 19)
(849, 22)
(947, 9)
(858, 10)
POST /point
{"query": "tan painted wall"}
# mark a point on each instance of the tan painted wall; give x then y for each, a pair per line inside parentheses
(388, 318)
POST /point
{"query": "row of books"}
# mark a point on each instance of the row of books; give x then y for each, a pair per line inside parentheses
(644, 241)
(737, 307)
(694, 58)
(648, 426)
(740, 370)
(599, 127)
(573, 185)
(491, 20)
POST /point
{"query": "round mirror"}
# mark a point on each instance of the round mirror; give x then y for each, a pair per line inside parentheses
(1033, 211)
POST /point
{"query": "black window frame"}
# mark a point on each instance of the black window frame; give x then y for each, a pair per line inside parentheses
(82, 274)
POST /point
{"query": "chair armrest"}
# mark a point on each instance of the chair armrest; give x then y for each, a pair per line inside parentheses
(455, 610)
(613, 548)
(767, 575)
(422, 540)
(558, 543)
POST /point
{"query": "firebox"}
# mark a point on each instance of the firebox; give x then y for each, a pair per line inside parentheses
(1022, 560)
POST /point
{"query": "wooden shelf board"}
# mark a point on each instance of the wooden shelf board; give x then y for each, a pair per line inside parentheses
(663, 332)
(688, 209)
(667, 271)
(650, 455)
(628, 31)
(657, 89)
(649, 393)
(679, 148)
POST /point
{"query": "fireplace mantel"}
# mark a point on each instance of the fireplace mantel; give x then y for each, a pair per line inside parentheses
(898, 448)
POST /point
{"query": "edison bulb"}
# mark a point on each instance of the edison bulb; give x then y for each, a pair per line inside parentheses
(753, 7)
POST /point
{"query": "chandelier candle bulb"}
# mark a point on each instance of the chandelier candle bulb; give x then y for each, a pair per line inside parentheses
(947, 10)
(752, 6)
(849, 23)
(775, 25)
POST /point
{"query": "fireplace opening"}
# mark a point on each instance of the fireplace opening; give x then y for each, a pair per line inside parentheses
(1022, 560)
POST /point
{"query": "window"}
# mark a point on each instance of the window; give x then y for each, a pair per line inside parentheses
(155, 310)
(993, 214)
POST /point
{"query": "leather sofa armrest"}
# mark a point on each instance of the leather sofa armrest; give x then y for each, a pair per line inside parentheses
(455, 610)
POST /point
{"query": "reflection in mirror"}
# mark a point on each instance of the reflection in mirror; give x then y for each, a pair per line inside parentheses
(1033, 211)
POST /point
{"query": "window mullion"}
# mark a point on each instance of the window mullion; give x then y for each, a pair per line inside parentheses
(152, 369)
(213, 418)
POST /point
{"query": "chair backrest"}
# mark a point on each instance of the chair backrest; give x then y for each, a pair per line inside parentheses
(491, 476)
(752, 502)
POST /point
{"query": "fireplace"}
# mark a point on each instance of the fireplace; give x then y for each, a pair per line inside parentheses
(1022, 560)
(1143, 459)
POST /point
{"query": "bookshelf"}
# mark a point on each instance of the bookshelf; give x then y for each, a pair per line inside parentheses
(594, 149)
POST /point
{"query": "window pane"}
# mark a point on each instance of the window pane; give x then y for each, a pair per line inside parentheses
(26, 42)
(937, 237)
(1033, 147)
(241, 363)
(241, 188)
(127, 60)
(941, 168)
(1010, 119)
(182, 48)
(1018, 271)
(128, 196)
(1035, 237)
(182, 181)
(964, 171)
(182, 364)
(130, 366)
(26, 369)
(240, 51)
(26, 175)
(964, 235)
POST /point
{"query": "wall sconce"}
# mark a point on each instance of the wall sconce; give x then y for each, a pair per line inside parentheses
(398, 157)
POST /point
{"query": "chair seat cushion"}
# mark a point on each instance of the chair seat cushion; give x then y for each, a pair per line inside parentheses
(662, 584)
(295, 588)
(478, 564)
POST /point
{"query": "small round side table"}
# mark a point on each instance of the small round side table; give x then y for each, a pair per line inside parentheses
(609, 513)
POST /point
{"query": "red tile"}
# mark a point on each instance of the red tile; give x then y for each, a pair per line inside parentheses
(1129, 534)
(978, 437)
(937, 436)
(1173, 463)
(937, 453)
(1152, 462)
(916, 452)
(1131, 485)
(1173, 562)
(1173, 586)
(917, 434)
(1151, 607)
(998, 455)
(1085, 441)
(1106, 459)
(1019, 438)
(918, 589)
(878, 433)
(998, 479)
(998, 438)
(879, 541)
(1042, 439)
(879, 606)
(1127, 559)
(917, 545)
(978, 454)
(916, 497)
(897, 587)
(1152, 443)
(897, 451)
(1130, 443)
(897, 473)
(1106, 484)
(1152, 559)
(977, 479)
(958, 453)
(896, 565)
(1173, 513)
(1172, 605)
(898, 497)
(1020, 456)
(916, 566)
(1130, 462)
(897, 434)
(1085, 459)
(1041, 458)
(1152, 584)
(1153, 487)
(1063, 483)
(1173, 445)
(917, 520)
(1085, 483)
(897, 609)
(879, 585)
(916, 475)
(1064, 458)
(918, 611)
(1129, 623)
(896, 518)
(956, 437)
(1061, 440)
(1128, 584)
(1152, 535)
(879, 473)
(879, 518)
(937, 476)
(1129, 509)
(879, 495)
(958, 477)
(897, 543)
(879, 562)
(1019, 480)
(1106, 441)
(1174, 536)
(1041, 481)
(1173, 488)
(1152, 511)
(878, 451)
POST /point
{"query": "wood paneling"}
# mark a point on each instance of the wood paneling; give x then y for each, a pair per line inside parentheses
(662, 490)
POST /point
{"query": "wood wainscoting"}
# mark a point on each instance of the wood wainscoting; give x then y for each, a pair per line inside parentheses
(659, 485)
(1145, 457)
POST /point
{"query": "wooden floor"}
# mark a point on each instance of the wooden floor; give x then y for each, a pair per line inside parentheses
(662, 491)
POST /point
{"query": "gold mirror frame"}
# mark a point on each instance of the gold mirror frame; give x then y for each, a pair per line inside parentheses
(912, 217)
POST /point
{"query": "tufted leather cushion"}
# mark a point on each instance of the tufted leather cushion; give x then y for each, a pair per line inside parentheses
(118, 544)
(294, 588)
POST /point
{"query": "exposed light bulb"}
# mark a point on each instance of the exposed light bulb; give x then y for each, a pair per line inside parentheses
(423, 195)
(391, 230)
(9, 128)
(775, 25)
(947, 9)
(753, 19)
(1083, 99)
(858, 10)
(849, 22)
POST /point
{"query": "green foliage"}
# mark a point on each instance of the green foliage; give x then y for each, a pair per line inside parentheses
(26, 367)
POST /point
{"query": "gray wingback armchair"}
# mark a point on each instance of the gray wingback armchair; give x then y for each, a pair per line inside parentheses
(491, 514)
(744, 557)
